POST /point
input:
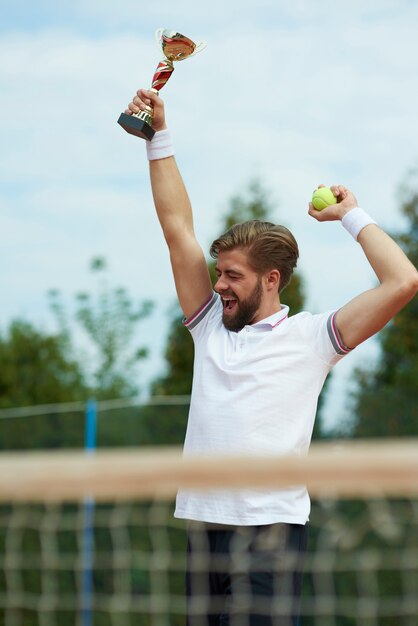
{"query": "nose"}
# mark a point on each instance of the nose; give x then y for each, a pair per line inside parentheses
(220, 285)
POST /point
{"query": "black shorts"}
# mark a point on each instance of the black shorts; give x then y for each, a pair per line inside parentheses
(244, 575)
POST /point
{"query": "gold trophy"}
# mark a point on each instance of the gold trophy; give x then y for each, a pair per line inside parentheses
(175, 47)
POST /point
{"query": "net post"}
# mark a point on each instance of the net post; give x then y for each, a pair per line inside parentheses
(90, 425)
(87, 590)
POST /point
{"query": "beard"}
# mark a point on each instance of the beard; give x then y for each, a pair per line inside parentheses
(246, 309)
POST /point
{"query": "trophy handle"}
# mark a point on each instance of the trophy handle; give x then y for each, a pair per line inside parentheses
(201, 45)
(158, 34)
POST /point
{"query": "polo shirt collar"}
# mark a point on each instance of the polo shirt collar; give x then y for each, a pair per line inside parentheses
(273, 320)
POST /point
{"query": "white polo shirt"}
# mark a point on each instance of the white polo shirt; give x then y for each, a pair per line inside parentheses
(255, 392)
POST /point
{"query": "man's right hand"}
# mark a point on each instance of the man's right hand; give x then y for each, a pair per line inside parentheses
(144, 98)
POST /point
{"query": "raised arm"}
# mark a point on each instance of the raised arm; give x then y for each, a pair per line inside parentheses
(369, 312)
(174, 211)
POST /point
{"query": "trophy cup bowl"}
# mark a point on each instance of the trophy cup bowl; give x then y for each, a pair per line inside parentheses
(175, 47)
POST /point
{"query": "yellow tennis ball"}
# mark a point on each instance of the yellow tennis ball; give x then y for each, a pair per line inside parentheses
(322, 198)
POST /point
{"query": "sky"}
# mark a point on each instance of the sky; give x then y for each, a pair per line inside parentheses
(292, 93)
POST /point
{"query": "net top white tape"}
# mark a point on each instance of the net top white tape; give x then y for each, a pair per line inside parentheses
(343, 470)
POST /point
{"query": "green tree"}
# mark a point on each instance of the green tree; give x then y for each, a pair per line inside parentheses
(385, 401)
(108, 319)
(37, 368)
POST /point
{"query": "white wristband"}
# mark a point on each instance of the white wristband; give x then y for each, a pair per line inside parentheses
(160, 146)
(355, 220)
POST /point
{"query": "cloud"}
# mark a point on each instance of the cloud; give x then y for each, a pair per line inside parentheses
(218, 15)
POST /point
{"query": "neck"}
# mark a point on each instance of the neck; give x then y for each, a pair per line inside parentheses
(267, 309)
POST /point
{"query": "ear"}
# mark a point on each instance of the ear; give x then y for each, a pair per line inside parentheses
(272, 280)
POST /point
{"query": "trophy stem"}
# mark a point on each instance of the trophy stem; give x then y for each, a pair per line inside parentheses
(163, 72)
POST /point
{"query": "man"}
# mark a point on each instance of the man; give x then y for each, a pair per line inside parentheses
(257, 377)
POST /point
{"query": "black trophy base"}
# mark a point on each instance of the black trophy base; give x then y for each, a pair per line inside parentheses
(135, 126)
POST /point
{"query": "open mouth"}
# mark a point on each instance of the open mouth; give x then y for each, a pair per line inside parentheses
(229, 304)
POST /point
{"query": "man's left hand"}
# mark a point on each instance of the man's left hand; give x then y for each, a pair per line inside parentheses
(345, 202)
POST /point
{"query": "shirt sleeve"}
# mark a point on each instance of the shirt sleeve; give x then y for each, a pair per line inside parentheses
(322, 333)
(204, 317)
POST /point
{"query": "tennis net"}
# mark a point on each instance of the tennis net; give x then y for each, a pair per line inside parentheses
(90, 539)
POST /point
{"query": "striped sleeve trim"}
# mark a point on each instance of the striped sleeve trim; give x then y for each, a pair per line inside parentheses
(197, 317)
(335, 336)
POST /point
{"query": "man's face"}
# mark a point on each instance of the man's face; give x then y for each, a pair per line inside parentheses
(240, 288)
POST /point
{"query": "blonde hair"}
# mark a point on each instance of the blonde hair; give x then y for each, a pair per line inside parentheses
(269, 246)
